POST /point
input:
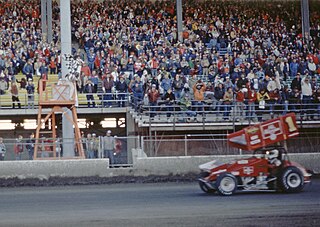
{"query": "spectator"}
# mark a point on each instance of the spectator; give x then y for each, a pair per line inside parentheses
(166, 83)
(122, 89)
(108, 84)
(89, 90)
(295, 99)
(275, 99)
(177, 86)
(218, 94)
(227, 102)
(28, 70)
(30, 146)
(296, 82)
(285, 97)
(30, 92)
(250, 100)
(15, 95)
(153, 95)
(22, 83)
(44, 70)
(3, 86)
(198, 91)
(262, 97)
(239, 101)
(90, 146)
(3, 149)
(18, 147)
(306, 93)
(137, 89)
(169, 100)
(95, 139)
(53, 65)
(109, 145)
(186, 108)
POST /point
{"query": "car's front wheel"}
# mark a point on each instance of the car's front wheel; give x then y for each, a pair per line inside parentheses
(226, 184)
(291, 180)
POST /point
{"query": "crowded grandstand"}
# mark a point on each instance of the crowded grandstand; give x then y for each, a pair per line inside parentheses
(239, 58)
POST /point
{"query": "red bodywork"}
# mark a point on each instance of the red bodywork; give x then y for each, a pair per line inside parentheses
(262, 171)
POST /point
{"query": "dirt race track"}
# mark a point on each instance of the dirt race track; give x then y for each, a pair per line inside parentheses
(159, 204)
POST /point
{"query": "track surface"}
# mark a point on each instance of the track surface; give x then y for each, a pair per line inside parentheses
(162, 204)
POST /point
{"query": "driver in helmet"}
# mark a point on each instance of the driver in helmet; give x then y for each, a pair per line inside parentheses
(273, 157)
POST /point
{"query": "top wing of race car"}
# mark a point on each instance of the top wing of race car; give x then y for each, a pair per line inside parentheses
(265, 133)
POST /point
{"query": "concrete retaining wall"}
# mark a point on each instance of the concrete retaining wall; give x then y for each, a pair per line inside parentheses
(187, 164)
(143, 166)
(43, 169)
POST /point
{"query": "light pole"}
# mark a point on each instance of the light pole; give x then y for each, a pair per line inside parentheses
(305, 21)
(179, 20)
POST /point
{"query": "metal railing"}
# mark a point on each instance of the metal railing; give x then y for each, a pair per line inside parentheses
(161, 146)
(85, 100)
(211, 112)
(23, 149)
(215, 144)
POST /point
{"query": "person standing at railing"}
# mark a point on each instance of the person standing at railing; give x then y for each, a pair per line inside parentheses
(177, 86)
(218, 94)
(90, 146)
(166, 83)
(306, 92)
(137, 89)
(30, 92)
(169, 100)
(239, 101)
(295, 99)
(186, 108)
(262, 96)
(15, 95)
(3, 86)
(89, 89)
(198, 92)
(30, 146)
(285, 96)
(28, 70)
(44, 69)
(250, 100)
(18, 147)
(95, 140)
(3, 149)
(108, 84)
(122, 89)
(153, 95)
(227, 102)
(108, 146)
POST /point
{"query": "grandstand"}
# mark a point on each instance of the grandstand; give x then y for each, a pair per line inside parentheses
(246, 45)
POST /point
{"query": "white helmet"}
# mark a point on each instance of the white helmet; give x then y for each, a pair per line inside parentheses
(273, 157)
(273, 154)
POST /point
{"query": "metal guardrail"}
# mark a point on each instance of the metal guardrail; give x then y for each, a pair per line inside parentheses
(161, 146)
(101, 100)
(233, 112)
(23, 149)
(195, 145)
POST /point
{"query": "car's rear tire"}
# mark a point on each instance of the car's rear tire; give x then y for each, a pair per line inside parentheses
(291, 180)
(226, 184)
(204, 187)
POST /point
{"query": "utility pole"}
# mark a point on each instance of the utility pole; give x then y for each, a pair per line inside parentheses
(305, 21)
(179, 20)
(49, 21)
(44, 27)
(46, 20)
(67, 127)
